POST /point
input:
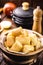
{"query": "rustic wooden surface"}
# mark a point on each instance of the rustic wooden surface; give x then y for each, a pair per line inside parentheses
(2, 62)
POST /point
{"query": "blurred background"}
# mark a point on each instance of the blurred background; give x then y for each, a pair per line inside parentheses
(33, 3)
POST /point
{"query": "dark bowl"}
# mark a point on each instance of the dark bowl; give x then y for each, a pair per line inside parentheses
(21, 58)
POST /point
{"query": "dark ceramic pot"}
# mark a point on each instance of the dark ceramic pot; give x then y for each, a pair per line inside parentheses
(20, 58)
(22, 17)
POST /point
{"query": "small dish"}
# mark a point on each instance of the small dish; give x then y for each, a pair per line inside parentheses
(6, 24)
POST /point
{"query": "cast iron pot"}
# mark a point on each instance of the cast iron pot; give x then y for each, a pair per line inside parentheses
(20, 58)
(22, 17)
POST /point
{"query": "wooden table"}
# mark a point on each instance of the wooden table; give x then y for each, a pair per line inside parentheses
(5, 18)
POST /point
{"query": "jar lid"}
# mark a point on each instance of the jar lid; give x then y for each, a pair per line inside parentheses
(24, 11)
